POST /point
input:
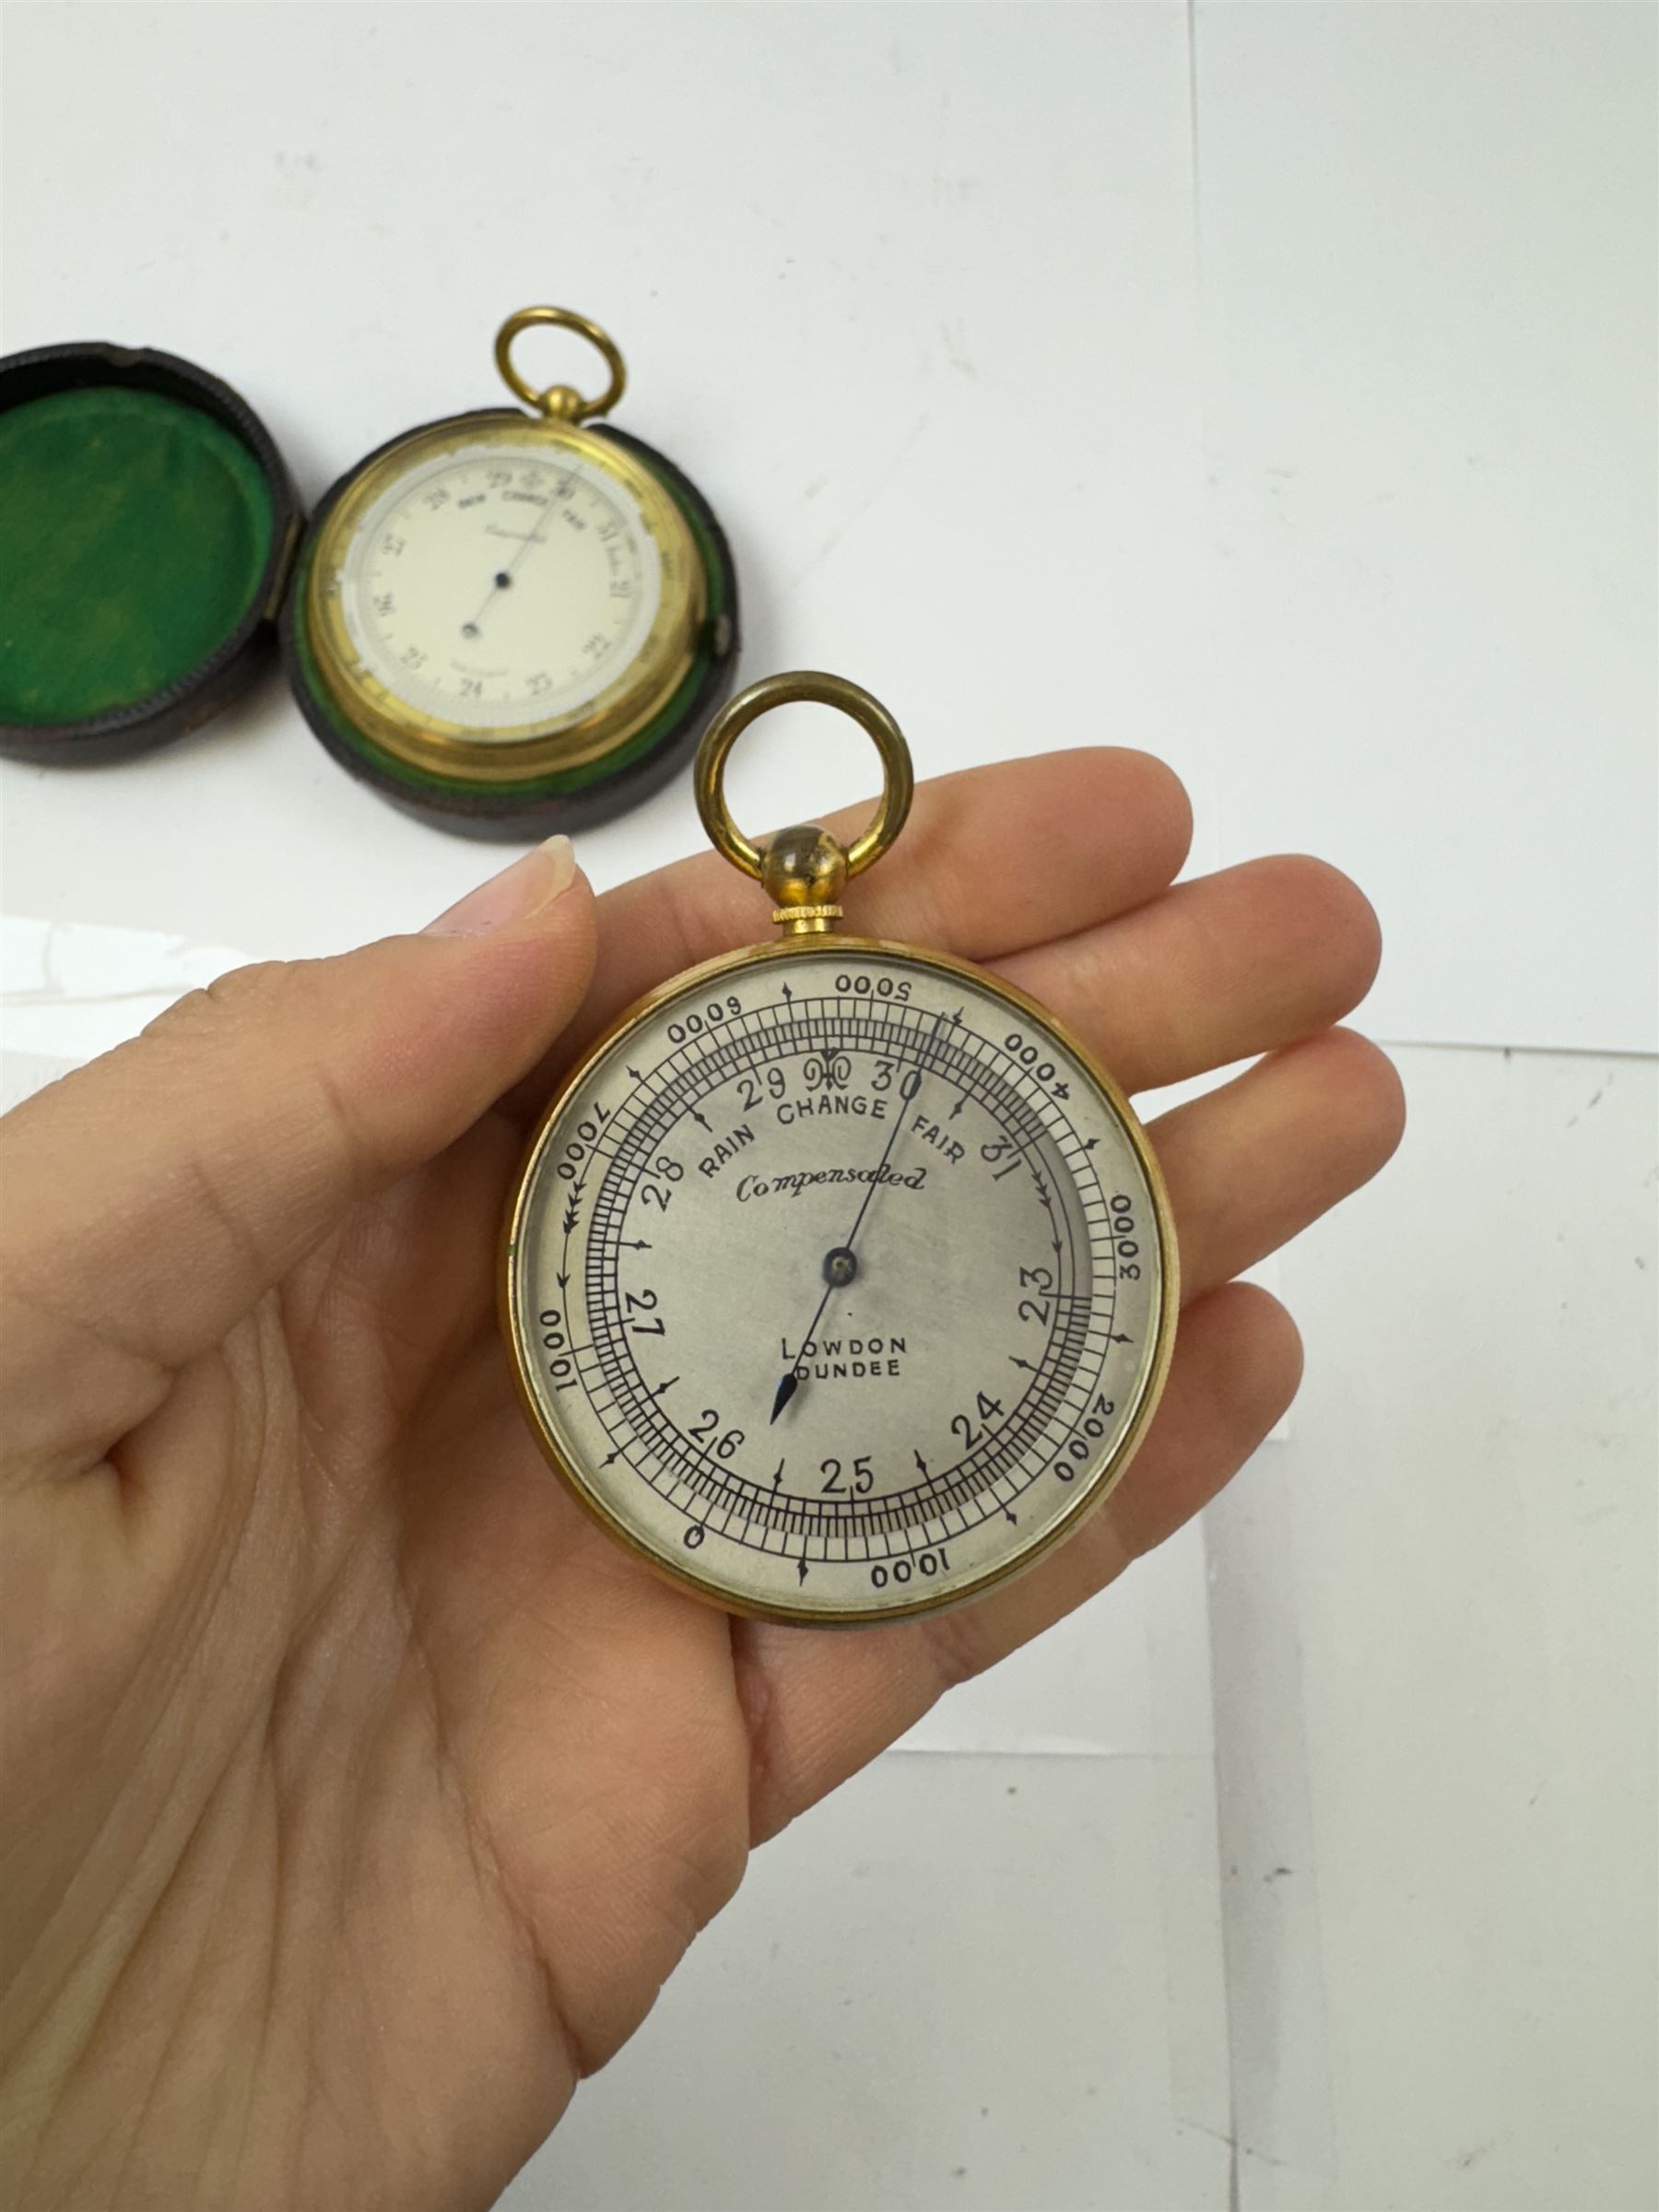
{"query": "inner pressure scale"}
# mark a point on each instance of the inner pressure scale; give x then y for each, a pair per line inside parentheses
(839, 1281)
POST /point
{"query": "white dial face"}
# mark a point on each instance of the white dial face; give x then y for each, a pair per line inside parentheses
(837, 1283)
(501, 585)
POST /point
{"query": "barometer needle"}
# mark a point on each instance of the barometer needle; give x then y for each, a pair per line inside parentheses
(501, 578)
(840, 1262)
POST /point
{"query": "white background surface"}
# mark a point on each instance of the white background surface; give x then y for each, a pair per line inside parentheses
(1271, 387)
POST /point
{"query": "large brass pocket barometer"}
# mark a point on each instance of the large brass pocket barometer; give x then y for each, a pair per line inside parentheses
(514, 622)
(839, 1281)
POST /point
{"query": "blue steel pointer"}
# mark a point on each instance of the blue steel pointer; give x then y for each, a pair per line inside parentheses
(841, 1261)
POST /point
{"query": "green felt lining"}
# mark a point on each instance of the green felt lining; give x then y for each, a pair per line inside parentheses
(134, 533)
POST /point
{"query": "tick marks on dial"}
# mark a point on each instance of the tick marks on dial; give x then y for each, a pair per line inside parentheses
(764, 1511)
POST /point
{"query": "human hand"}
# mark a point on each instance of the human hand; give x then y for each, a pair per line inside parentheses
(359, 1793)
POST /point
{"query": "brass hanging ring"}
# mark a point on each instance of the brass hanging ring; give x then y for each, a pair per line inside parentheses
(810, 684)
(563, 402)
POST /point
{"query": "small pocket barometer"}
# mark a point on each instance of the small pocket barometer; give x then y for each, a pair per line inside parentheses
(514, 622)
(839, 1281)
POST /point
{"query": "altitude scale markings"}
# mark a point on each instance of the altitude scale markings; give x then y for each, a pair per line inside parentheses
(961, 1378)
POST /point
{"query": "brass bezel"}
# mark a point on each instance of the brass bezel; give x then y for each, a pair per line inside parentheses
(1096, 1492)
(516, 752)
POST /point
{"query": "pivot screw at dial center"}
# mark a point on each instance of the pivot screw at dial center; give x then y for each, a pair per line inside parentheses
(840, 1267)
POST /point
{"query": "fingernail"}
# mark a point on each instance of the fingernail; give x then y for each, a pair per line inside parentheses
(519, 891)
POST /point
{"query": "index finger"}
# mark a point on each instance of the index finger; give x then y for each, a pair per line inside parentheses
(992, 860)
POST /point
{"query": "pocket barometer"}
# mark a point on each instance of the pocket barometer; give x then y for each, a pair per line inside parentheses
(514, 621)
(839, 1281)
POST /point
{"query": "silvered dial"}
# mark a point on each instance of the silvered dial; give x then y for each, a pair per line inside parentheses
(501, 585)
(837, 1282)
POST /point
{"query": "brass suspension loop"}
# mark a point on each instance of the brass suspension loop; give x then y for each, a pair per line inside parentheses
(562, 402)
(804, 868)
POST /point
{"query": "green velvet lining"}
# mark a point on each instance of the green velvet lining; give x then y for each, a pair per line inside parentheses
(134, 532)
(562, 782)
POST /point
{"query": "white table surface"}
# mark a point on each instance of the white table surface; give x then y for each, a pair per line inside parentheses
(1269, 386)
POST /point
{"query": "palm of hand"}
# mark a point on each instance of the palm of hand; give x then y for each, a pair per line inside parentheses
(484, 1776)
(391, 1787)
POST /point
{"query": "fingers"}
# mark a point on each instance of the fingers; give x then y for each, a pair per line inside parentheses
(992, 859)
(1247, 1166)
(152, 1196)
(1251, 1165)
(1242, 1362)
(822, 1702)
(1219, 969)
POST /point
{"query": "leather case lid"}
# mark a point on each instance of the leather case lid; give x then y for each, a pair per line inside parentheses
(147, 527)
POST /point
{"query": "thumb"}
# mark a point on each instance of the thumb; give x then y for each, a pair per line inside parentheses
(148, 1199)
